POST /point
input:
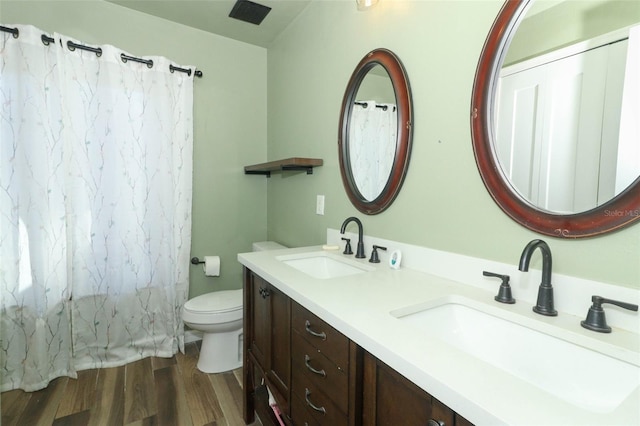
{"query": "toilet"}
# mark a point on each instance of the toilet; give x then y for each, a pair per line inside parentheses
(218, 315)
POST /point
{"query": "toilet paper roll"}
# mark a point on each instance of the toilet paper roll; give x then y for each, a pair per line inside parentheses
(211, 266)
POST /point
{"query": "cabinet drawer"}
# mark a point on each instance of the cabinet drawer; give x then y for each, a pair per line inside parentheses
(300, 415)
(333, 344)
(320, 371)
(317, 404)
(441, 413)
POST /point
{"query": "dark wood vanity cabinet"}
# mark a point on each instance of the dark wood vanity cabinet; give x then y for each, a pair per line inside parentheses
(317, 375)
(391, 399)
(267, 344)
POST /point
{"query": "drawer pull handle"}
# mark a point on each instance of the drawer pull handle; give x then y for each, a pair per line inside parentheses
(307, 326)
(313, 370)
(433, 422)
(307, 392)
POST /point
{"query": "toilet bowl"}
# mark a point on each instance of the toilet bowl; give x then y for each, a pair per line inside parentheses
(218, 315)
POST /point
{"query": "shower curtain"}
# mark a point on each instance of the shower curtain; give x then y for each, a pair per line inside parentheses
(372, 146)
(95, 208)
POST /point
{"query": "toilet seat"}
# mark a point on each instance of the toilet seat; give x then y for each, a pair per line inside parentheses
(214, 308)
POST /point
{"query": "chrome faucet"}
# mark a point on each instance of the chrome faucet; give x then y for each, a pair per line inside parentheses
(360, 248)
(544, 305)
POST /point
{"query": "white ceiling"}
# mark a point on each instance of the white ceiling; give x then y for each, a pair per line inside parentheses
(213, 16)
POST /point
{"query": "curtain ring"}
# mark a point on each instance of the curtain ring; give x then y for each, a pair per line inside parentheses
(46, 40)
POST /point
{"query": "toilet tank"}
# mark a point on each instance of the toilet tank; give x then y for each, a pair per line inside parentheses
(267, 245)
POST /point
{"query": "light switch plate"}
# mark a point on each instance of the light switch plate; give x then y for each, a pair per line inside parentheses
(320, 204)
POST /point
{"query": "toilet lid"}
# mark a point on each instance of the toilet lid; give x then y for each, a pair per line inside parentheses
(216, 301)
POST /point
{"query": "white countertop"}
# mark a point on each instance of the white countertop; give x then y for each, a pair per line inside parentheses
(359, 306)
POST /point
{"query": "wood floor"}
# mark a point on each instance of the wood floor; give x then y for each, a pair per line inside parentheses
(152, 391)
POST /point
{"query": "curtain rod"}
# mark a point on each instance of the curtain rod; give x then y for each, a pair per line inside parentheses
(365, 104)
(46, 40)
(14, 31)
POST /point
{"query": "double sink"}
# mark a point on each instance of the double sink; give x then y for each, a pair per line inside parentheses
(524, 348)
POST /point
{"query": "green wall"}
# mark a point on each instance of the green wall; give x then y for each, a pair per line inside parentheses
(253, 105)
(230, 101)
(443, 203)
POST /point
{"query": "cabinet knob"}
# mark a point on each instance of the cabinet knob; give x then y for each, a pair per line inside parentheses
(433, 422)
(264, 292)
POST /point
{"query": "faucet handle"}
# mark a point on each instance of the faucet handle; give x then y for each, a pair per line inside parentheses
(347, 246)
(374, 254)
(596, 319)
(504, 293)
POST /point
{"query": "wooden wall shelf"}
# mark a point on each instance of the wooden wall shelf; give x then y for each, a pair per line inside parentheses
(294, 163)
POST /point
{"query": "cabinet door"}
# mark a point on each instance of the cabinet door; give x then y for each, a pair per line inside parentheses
(259, 315)
(267, 345)
(391, 399)
(279, 367)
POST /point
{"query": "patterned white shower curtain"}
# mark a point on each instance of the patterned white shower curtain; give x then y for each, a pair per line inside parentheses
(372, 146)
(95, 208)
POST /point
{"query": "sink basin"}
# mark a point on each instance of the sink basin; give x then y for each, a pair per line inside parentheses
(323, 265)
(577, 375)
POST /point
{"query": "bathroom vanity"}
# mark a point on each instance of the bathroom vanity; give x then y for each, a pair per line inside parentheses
(339, 340)
(317, 375)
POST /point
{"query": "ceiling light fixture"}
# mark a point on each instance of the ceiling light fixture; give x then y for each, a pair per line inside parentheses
(366, 4)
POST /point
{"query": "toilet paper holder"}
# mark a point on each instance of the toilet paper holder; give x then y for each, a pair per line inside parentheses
(196, 261)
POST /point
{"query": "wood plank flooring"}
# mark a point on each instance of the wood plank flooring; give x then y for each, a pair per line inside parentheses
(152, 391)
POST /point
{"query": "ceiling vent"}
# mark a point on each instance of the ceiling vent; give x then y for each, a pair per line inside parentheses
(249, 11)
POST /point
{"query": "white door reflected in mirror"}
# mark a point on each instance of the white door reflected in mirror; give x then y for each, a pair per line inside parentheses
(561, 136)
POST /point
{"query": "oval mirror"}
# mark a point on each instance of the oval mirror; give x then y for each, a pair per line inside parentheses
(375, 132)
(554, 115)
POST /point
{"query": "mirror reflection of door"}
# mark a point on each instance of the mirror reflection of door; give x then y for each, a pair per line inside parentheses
(373, 133)
(558, 121)
(555, 137)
